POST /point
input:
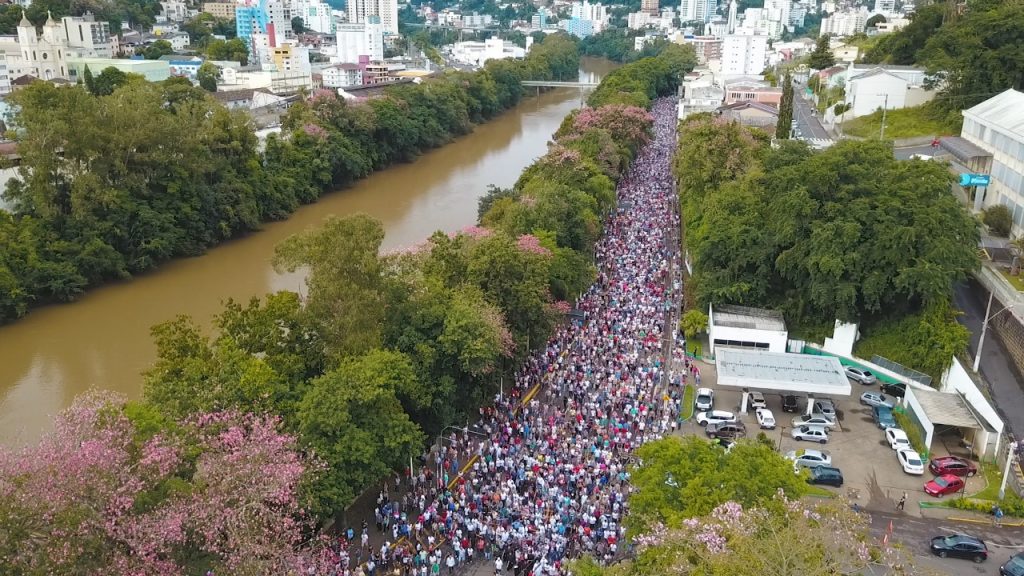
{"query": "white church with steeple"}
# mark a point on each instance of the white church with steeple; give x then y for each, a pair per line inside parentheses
(42, 55)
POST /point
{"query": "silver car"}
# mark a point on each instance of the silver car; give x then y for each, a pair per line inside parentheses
(814, 420)
(810, 434)
(876, 399)
(860, 375)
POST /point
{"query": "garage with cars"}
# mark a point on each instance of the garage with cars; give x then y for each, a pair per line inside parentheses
(935, 413)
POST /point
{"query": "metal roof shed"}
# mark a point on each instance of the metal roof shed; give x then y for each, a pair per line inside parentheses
(781, 372)
(932, 409)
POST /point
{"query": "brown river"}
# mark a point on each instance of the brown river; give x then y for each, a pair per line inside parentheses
(102, 340)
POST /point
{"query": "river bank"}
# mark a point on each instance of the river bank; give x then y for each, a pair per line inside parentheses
(103, 341)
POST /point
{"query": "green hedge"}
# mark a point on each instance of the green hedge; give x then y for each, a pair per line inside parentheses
(1011, 505)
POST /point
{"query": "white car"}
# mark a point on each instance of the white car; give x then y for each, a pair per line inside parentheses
(715, 416)
(756, 400)
(705, 398)
(814, 420)
(765, 418)
(911, 461)
(810, 434)
(810, 458)
(897, 439)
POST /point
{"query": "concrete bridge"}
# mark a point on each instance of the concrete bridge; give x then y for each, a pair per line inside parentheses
(553, 84)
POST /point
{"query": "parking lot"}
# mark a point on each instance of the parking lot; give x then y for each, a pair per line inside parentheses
(873, 478)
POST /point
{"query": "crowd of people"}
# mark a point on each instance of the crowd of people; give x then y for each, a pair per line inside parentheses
(544, 475)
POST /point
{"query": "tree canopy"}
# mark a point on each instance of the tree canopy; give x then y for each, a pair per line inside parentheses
(848, 233)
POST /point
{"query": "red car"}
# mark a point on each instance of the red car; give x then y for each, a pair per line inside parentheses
(942, 485)
(952, 465)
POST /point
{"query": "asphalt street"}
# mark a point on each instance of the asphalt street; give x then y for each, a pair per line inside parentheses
(806, 122)
(1007, 393)
(906, 153)
(915, 533)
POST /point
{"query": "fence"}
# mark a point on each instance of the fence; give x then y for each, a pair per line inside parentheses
(902, 370)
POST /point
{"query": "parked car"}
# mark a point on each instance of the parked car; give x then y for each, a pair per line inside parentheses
(897, 389)
(883, 417)
(960, 546)
(705, 398)
(810, 434)
(765, 418)
(860, 375)
(713, 416)
(897, 438)
(942, 485)
(826, 408)
(814, 420)
(826, 475)
(726, 430)
(910, 461)
(952, 465)
(756, 400)
(790, 403)
(876, 399)
(810, 458)
(1014, 566)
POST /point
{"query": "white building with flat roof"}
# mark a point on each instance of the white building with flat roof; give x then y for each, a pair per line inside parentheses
(744, 53)
(741, 326)
(997, 126)
(364, 39)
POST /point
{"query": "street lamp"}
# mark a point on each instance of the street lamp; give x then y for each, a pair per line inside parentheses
(885, 108)
(984, 328)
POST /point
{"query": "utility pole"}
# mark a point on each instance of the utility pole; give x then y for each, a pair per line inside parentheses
(885, 108)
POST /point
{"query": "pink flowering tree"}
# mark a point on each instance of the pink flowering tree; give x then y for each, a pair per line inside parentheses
(475, 332)
(629, 124)
(530, 243)
(794, 538)
(100, 496)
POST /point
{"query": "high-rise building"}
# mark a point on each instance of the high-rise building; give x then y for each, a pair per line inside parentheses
(579, 27)
(697, 10)
(744, 53)
(364, 40)
(885, 7)
(649, 7)
(845, 23)
(386, 10)
(270, 17)
(88, 38)
(316, 15)
(5, 75)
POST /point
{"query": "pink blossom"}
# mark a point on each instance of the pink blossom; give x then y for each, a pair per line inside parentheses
(315, 131)
(530, 243)
(476, 232)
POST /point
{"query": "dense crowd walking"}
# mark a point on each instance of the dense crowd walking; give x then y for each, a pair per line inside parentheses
(546, 469)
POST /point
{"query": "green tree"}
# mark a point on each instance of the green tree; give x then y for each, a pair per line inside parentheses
(998, 219)
(784, 125)
(693, 323)
(298, 25)
(874, 20)
(352, 420)
(108, 80)
(901, 47)
(977, 55)
(207, 75)
(344, 283)
(822, 57)
(90, 82)
(234, 50)
(155, 50)
(683, 477)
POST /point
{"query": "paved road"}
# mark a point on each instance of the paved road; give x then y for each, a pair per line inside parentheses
(906, 153)
(915, 533)
(804, 118)
(1007, 393)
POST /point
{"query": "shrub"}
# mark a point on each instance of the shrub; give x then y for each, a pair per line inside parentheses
(693, 323)
(998, 219)
(913, 432)
(1012, 505)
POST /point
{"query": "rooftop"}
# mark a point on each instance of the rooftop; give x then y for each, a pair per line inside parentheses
(750, 104)
(781, 371)
(964, 150)
(946, 408)
(1004, 110)
(745, 317)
